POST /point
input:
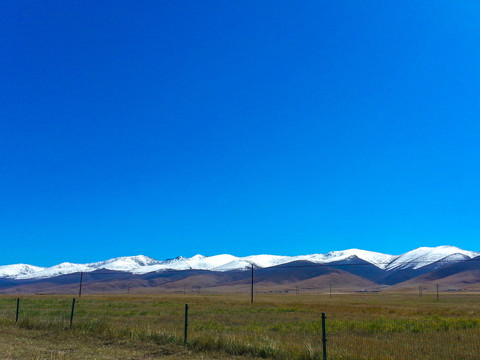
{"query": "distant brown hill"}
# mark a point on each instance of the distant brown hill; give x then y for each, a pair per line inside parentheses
(464, 275)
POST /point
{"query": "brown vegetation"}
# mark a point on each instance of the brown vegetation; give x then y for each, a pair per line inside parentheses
(284, 326)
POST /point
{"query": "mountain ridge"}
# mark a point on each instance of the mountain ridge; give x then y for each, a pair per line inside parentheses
(414, 260)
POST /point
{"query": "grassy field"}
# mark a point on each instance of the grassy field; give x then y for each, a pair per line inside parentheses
(281, 326)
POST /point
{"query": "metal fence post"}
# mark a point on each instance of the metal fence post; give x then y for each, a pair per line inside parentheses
(18, 308)
(324, 337)
(73, 309)
(186, 325)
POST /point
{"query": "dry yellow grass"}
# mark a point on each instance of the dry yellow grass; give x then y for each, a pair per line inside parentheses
(285, 326)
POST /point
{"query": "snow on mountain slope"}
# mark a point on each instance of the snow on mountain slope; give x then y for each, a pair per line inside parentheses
(141, 264)
(199, 262)
(57, 270)
(126, 263)
(424, 256)
(268, 260)
(13, 271)
(238, 264)
(261, 261)
(378, 259)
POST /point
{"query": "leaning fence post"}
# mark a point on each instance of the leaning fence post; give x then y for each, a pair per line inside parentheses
(324, 337)
(186, 325)
(73, 309)
(18, 308)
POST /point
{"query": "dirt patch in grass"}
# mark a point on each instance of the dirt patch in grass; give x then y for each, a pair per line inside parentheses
(24, 344)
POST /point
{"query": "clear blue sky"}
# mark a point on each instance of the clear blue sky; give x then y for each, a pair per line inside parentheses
(171, 128)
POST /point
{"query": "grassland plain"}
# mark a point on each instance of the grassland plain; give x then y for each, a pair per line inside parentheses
(379, 326)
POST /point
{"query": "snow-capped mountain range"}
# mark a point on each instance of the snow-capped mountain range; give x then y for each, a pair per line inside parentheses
(415, 259)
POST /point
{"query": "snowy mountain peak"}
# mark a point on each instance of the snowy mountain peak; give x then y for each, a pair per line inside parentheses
(378, 259)
(141, 264)
(12, 271)
(126, 262)
(424, 256)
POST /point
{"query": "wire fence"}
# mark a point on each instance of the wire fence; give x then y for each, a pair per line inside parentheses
(359, 326)
(382, 338)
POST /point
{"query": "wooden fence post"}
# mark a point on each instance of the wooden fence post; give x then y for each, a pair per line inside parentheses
(73, 309)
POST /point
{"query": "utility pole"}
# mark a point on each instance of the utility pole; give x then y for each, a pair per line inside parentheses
(81, 282)
(251, 300)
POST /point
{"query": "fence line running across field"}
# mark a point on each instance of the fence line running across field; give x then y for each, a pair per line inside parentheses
(289, 326)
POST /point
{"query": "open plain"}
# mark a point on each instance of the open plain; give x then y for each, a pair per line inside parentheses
(375, 326)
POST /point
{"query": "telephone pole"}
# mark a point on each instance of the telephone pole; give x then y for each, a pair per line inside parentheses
(251, 291)
(81, 282)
